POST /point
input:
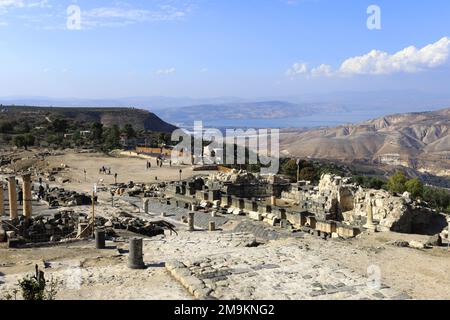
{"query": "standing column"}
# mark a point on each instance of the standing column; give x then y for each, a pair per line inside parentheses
(369, 224)
(191, 221)
(2, 203)
(100, 239)
(12, 193)
(145, 205)
(27, 204)
(135, 256)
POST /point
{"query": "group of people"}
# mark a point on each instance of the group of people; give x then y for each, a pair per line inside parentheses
(41, 192)
(105, 170)
(159, 163)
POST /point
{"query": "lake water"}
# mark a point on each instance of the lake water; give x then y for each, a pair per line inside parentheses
(318, 120)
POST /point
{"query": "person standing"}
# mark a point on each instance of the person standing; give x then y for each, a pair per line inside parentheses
(41, 192)
(20, 197)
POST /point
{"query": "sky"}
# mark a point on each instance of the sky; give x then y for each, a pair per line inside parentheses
(218, 48)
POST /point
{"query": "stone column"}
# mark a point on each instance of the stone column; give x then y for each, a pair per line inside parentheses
(136, 256)
(27, 204)
(191, 221)
(2, 198)
(212, 226)
(369, 224)
(12, 193)
(273, 200)
(145, 205)
(100, 242)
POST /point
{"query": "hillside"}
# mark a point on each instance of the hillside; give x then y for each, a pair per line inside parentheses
(418, 140)
(140, 119)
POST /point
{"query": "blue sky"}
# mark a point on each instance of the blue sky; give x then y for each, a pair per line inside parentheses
(200, 48)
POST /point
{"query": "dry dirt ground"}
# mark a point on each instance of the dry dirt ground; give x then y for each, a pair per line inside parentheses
(300, 268)
(127, 168)
(283, 269)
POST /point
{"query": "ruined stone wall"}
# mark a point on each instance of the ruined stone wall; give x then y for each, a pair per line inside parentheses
(394, 213)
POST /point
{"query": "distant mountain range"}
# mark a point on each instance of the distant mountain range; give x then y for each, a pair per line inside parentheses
(140, 119)
(303, 110)
(149, 103)
(420, 140)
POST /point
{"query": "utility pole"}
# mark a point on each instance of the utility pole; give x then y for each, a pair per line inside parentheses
(94, 191)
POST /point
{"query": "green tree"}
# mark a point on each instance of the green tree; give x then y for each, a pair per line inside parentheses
(414, 187)
(59, 125)
(6, 127)
(307, 173)
(19, 141)
(289, 168)
(396, 183)
(97, 132)
(129, 131)
(112, 140)
(29, 139)
(24, 141)
(370, 182)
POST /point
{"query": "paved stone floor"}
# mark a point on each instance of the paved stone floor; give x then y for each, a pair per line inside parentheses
(228, 266)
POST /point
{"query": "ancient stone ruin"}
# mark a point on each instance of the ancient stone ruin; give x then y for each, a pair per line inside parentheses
(336, 207)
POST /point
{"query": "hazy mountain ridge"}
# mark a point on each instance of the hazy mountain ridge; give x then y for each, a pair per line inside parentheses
(140, 119)
(411, 135)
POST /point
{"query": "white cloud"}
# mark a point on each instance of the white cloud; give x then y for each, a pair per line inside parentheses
(297, 69)
(408, 60)
(23, 3)
(322, 70)
(376, 62)
(166, 71)
(122, 16)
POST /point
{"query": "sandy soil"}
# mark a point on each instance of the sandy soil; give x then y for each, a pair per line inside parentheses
(127, 168)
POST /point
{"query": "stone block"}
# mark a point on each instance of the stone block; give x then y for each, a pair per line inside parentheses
(326, 226)
(255, 216)
(347, 231)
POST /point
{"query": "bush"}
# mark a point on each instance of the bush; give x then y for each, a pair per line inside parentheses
(35, 288)
(370, 182)
(396, 183)
(414, 187)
